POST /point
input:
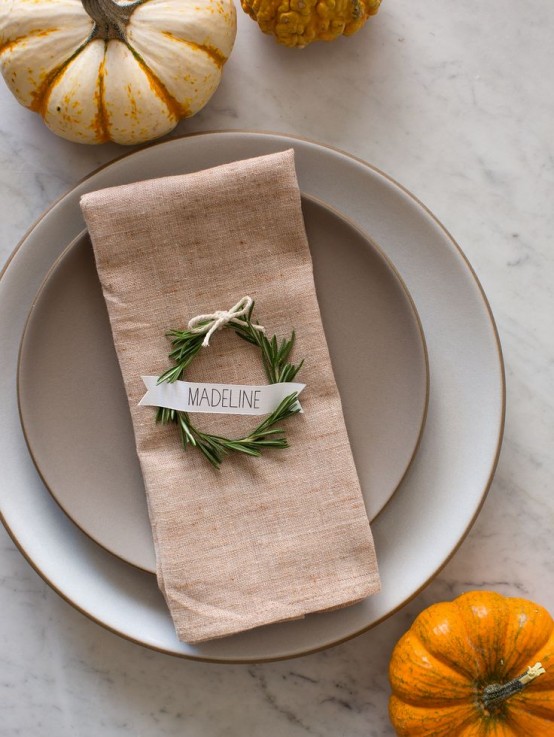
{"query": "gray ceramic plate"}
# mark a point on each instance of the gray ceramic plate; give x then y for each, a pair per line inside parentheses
(440, 496)
(74, 409)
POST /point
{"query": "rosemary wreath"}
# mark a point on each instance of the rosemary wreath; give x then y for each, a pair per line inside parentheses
(185, 346)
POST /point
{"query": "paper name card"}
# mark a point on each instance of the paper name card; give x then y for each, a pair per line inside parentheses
(229, 399)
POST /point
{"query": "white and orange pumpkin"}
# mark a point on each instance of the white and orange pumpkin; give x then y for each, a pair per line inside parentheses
(99, 70)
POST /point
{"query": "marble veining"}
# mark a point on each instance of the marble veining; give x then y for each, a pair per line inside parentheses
(453, 100)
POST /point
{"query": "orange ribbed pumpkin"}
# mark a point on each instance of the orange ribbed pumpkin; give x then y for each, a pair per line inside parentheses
(463, 670)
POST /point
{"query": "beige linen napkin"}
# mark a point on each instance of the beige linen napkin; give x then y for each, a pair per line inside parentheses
(260, 540)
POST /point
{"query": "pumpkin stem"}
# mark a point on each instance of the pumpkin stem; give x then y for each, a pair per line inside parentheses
(495, 693)
(110, 17)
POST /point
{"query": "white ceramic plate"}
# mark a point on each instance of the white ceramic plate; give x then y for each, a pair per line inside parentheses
(439, 498)
(74, 409)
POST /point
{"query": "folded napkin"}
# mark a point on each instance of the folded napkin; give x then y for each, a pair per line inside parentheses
(260, 540)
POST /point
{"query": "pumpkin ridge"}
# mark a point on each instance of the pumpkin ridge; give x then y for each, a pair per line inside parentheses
(469, 636)
(40, 97)
(477, 645)
(546, 656)
(418, 719)
(175, 108)
(521, 720)
(215, 54)
(434, 703)
(454, 687)
(461, 668)
(522, 703)
(540, 648)
(443, 659)
(9, 45)
(102, 122)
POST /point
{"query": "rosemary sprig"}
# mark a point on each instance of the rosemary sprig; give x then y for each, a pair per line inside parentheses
(274, 354)
(215, 447)
(185, 346)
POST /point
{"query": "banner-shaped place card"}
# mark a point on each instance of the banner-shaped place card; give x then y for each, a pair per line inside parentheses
(230, 399)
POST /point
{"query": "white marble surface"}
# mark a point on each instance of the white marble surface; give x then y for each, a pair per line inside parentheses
(455, 101)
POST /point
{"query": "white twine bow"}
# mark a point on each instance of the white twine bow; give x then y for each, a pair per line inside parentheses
(213, 321)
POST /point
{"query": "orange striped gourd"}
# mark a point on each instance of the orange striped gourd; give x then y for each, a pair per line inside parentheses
(99, 70)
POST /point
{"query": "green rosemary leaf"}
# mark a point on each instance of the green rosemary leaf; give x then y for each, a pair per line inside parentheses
(289, 371)
(219, 448)
(246, 336)
(208, 453)
(285, 349)
(184, 438)
(274, 349)
(183, 424)
(243, 448)
(273, 431)
(170, 375)
(285, 405)
(278, 443)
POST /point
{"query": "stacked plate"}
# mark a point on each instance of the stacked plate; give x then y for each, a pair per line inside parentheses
(414, 349)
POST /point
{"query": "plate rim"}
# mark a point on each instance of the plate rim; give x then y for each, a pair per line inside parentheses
(305, 197)
(502, 387)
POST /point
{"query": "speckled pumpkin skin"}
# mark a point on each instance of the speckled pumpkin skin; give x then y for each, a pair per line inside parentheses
(454, 649)
(299, 22)
(129, 90)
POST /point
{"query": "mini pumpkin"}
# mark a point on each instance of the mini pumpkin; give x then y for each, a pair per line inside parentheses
(463, 670)
(99, 70)
(299, 22)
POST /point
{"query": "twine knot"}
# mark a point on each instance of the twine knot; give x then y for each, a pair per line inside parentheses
(217, 320)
